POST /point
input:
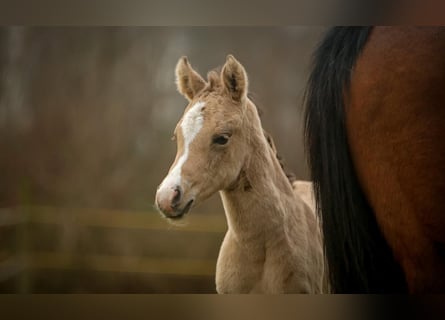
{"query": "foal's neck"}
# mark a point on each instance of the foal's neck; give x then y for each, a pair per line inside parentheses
(261, 197)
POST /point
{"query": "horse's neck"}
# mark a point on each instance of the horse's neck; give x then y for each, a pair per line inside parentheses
(256, 206)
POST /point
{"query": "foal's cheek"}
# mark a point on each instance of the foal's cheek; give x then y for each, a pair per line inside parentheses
(230, 170)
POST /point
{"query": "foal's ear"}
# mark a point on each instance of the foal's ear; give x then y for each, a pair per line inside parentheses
(234, 78)
(188, 81)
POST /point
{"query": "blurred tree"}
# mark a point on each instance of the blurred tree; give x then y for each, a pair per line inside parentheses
(86, 116)
(86, 113)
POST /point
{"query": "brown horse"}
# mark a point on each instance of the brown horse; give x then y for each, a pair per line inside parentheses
(375, 122)
(273, 242)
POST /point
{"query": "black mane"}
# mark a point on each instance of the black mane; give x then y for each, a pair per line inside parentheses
(359, 259)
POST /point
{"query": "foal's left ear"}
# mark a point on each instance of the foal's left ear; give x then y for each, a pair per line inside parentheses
(234, 78)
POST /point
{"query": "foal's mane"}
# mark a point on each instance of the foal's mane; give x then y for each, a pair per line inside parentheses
(214, 82)
(289, 174)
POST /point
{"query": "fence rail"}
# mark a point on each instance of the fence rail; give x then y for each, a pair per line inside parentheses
(40, 242)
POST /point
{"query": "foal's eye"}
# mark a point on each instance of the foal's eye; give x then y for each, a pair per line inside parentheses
(221, 139)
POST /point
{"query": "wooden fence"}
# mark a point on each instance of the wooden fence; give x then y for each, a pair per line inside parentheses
(61, 250)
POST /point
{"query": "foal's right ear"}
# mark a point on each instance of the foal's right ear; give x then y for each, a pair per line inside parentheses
(188, 81)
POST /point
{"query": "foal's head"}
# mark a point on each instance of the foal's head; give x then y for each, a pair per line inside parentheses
(212, 136)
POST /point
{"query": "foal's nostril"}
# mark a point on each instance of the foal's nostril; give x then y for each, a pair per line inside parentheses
(176, 196)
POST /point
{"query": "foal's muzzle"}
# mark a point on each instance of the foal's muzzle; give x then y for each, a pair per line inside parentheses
(170, 202)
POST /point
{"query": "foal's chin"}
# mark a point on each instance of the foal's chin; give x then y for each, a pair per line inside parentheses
(178, 212)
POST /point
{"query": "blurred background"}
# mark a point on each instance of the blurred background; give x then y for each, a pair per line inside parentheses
(86, 116)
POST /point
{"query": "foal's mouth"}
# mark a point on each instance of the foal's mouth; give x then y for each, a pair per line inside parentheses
(182, 212)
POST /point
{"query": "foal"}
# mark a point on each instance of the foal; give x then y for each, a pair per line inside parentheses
(273, 243)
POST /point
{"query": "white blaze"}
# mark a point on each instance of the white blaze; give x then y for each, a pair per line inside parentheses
(190, 126)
